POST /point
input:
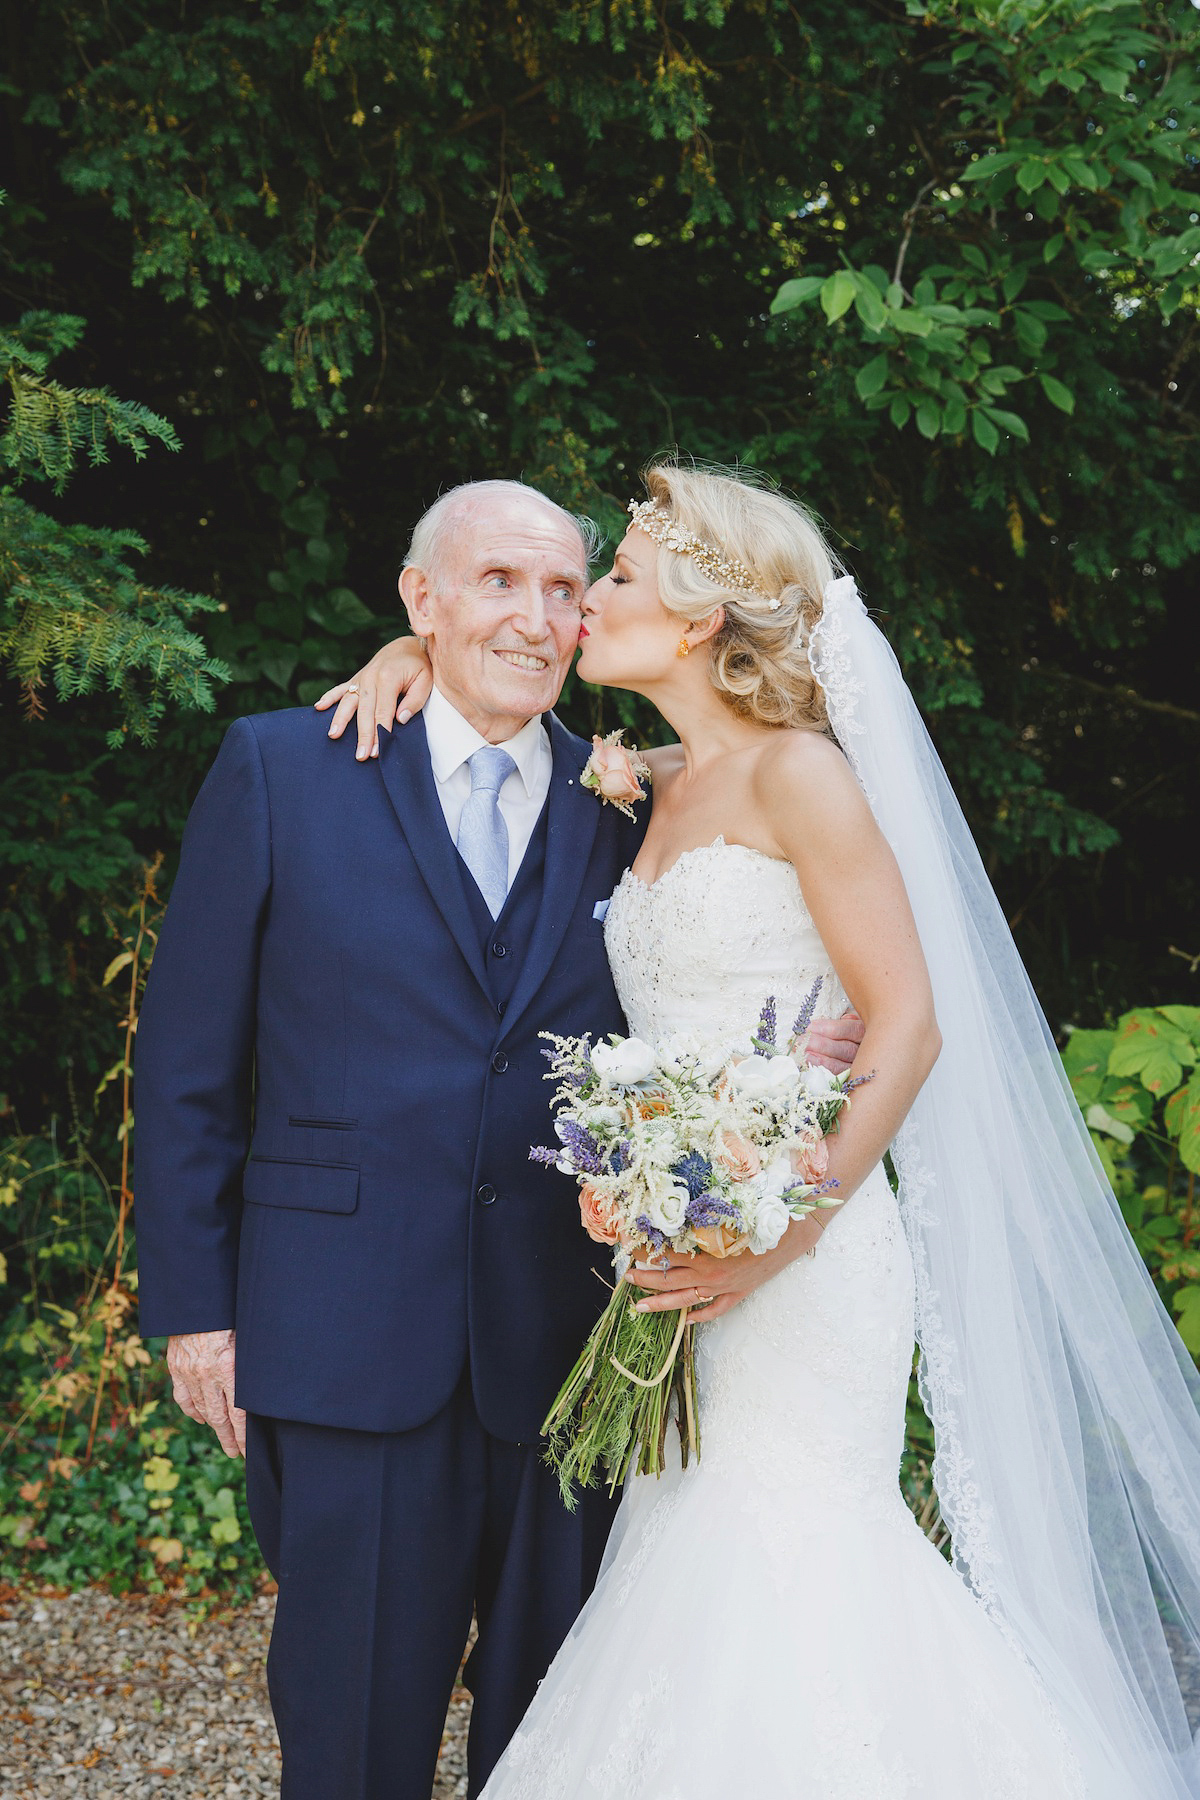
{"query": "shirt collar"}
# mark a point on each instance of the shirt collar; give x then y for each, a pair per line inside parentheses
(452, 739)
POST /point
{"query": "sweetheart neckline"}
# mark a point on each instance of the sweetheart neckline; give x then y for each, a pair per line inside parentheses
(718, 843)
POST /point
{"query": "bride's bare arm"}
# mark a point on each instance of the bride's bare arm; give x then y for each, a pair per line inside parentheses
(820, 821)
(401, 670)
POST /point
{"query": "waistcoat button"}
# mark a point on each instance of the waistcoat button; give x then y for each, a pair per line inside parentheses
(499, 949)
(500, 1062)
(486, 1194)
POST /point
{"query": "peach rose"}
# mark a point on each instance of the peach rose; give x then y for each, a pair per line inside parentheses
(615, 772)
(720, 1241)
(810, 1161)
(739, 1157)
(594, 1211)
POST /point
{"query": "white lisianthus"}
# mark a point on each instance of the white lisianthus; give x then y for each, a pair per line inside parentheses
(677, 1052)
(627, 1061)
(766, 1077)
(817, 1082)
(667, 1208)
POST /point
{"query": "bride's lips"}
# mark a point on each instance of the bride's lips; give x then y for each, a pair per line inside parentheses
(583, 632)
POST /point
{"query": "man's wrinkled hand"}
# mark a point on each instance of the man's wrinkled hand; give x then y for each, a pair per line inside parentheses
(201, 1365)
(833, 1043)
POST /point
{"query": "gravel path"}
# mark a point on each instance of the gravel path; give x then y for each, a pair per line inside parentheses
(109, 1699)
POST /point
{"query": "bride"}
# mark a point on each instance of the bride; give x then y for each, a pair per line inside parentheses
(771, 1621)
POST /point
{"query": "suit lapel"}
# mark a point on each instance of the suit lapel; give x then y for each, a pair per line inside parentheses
(572, 819)
(408, 776)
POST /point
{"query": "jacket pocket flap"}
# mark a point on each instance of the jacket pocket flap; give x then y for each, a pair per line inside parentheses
(310, 1187)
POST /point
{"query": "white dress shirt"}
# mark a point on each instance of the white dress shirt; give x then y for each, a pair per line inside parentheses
(452, 740)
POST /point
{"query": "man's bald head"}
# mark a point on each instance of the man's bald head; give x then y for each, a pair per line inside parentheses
(459, 508)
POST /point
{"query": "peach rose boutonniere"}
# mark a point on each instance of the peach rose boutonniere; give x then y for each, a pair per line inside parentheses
(616, 771)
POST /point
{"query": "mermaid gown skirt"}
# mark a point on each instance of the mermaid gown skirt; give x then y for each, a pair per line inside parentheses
(771, 1622)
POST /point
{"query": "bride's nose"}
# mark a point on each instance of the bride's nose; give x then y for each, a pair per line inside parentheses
(593, 599)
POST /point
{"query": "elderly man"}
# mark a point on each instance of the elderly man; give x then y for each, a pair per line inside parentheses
(338, 1081)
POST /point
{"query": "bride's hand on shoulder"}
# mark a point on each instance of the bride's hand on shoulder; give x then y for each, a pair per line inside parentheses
(401, 670)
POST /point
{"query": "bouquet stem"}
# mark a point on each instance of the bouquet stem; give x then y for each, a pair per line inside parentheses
(614, 1408)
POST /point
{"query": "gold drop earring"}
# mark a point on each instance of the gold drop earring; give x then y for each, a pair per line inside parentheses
(684, 647)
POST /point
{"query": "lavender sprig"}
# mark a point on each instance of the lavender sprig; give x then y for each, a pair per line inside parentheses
(765, 1037)
(580, 1146)
(804, 1017)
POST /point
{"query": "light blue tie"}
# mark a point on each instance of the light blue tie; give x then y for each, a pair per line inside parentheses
(482, 833)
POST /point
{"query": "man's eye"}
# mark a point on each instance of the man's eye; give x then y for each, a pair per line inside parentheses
(566, 596)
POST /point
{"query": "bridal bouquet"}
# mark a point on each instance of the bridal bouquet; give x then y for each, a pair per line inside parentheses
(681, 1146)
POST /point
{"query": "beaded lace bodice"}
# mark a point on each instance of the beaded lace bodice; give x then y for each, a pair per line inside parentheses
(701, 948)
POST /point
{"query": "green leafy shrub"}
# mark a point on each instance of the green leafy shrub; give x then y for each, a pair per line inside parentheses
(1139, 1088)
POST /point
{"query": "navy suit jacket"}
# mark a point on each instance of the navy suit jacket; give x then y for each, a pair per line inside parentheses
(333, 1117)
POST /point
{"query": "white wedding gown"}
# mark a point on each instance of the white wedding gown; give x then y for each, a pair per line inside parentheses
(772, 1623)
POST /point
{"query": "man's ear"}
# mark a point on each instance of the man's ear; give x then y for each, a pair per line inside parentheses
(414, 591)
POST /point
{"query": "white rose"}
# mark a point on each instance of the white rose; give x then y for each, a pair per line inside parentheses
(599, 1119)
(667, 1209)
(817, 1082)
(771, 1220)
(626, 1061)
(766, 1077)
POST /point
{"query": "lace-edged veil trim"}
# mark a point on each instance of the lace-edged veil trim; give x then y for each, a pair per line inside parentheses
(1064, 1405)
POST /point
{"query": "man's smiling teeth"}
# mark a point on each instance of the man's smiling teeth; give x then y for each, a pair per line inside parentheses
(517, 661)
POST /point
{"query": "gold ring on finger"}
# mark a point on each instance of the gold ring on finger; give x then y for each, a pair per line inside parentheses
(351, 687)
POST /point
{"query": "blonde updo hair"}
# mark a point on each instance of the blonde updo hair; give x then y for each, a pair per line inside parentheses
(759, 658)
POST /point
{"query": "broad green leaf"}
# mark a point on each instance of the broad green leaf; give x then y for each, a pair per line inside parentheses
(837, 295)
(1182, 1118)
(987, 166)
(1011, 422)
(929, 418)
(1057, 394)
(900, 412)
(1187, 1311)
(1031, 175)
(954, 415)
(916, 323)
(795, 293)
(1052, 246)
(1151, 1048)
(1187, 1018)
(871, 376)
(986, 435)
(868, 304)
(1087, 1051)
(1137, 172)
(1058, 177)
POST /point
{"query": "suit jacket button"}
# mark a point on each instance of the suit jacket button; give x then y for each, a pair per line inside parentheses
(486, 1194)
(500, 1062)
(499, 949)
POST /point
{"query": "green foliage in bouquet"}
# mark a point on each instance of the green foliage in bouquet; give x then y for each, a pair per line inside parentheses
(1138, 1086)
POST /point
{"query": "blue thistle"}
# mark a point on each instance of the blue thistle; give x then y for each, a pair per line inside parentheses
(621, 1157)
(695, 1171)
(804, 1017)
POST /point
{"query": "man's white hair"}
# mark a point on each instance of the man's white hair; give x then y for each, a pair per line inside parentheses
(429, 547)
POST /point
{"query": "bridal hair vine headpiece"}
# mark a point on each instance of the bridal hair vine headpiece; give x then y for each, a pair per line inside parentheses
(653, 518)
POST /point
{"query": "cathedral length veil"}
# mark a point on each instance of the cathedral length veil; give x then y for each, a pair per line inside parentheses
(1064, 1403)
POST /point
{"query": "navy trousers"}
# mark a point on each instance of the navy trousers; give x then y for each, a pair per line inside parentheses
(382, 1544)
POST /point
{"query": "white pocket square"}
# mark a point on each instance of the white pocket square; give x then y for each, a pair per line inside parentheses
(600, 910)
